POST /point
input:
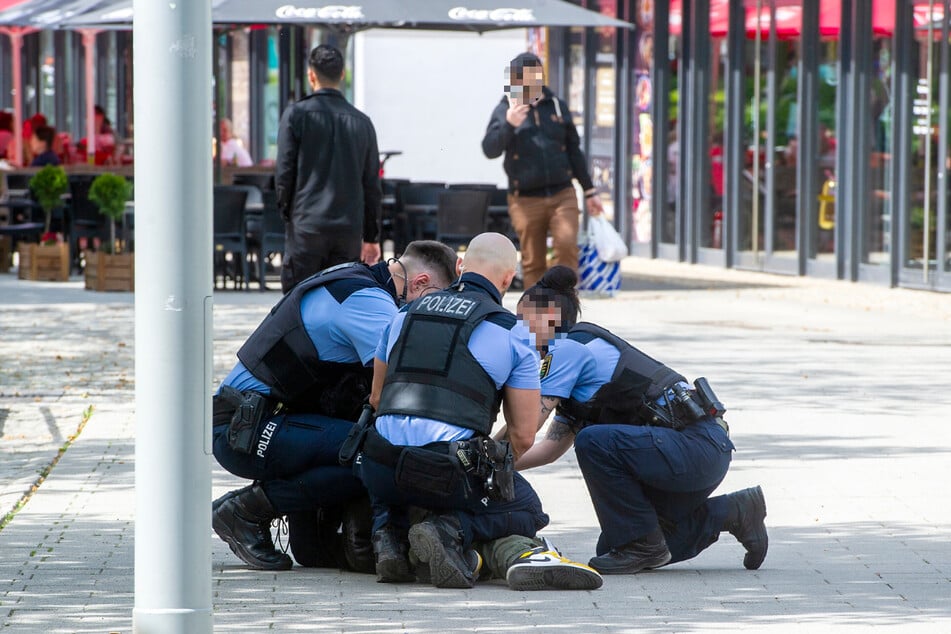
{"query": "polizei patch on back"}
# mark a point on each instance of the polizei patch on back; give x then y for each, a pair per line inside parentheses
(447, 305)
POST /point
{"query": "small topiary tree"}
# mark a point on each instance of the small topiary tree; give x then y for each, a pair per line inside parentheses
(48, 185)
(110, 192)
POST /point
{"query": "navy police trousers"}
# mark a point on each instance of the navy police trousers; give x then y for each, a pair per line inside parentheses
(482, 519)
(643, 478)
(295, 461)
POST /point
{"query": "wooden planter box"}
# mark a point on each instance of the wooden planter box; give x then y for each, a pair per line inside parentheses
(48, 262)
(105, 272)
(6, 256)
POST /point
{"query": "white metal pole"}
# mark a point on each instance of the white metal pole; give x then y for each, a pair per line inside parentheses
(173, 302)
(89, 46)
(16, 58)
(754, 222)
(929, 66)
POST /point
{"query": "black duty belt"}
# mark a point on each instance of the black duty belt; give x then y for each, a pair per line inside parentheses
(381, 450)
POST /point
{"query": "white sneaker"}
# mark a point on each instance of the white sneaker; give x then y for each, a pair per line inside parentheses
(545, 569)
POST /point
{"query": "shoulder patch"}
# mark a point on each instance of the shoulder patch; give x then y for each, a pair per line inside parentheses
(504, 319)
(545, 366)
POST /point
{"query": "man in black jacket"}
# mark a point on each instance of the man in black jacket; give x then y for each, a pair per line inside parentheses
(327, 176)
(542, 150)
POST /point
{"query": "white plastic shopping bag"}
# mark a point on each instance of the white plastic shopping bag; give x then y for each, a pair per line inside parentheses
(597, 278)
(610, 245)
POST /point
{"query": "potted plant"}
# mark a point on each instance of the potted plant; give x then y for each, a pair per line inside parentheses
(110, 270)
(48, 185)
(48, 260)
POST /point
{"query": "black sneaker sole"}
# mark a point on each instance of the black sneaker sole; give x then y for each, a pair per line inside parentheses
(558, 577)
(242, 553)
(394, 571)
(444, 572)
(647, 563)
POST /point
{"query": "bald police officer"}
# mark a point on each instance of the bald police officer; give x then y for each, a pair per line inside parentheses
(444, 368)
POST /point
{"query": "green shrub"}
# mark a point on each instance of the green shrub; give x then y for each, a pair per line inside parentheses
(110, 192)
(48, 185)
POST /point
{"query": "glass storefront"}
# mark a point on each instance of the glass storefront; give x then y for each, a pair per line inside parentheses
(814, 140)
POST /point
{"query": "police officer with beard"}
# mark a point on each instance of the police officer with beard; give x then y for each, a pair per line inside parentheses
(282, 413)
(443, 369)
(651, 448)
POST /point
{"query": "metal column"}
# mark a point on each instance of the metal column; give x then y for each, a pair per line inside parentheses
(172, 50)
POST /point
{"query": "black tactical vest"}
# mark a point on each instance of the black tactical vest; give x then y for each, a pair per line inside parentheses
(431, 372)
(637, 378)
(281, 354)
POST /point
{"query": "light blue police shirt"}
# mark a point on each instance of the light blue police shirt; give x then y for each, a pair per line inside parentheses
(507, 357)
(344, 332)
(577, 370)
(572, 369)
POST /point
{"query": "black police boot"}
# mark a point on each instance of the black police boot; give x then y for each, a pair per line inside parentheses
(357, 536)
(746, 523)
(437, 541)
(314, 539)
(392, 563)
(243, 521)
(227, 496)
(644, 553)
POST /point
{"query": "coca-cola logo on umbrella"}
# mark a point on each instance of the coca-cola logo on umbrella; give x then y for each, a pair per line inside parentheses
(492, 15)
(330, 12)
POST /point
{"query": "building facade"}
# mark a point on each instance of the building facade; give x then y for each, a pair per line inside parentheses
(805, 138)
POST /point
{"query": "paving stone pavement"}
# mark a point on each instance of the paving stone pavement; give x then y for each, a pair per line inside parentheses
(838, 397)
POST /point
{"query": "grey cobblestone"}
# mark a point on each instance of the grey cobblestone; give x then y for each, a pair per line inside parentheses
(838, 397)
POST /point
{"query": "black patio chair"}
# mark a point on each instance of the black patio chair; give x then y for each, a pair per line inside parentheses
(87, 227)
(262, 180)
(499, 219)
(393, 218)
(461, 215)
(230, 235)
(419, 201)
(272, 236)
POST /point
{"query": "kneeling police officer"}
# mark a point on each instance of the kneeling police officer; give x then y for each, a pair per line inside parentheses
(302, 377)
(651, 448)
(443, 369)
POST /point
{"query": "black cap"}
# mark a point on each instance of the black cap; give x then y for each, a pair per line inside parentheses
(523, 60)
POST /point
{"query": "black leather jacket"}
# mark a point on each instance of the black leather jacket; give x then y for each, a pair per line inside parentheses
(328, 167)
(541, 155)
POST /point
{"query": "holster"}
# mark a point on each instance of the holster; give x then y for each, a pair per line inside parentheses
(492, 461)
(251, 408)
(358, 433)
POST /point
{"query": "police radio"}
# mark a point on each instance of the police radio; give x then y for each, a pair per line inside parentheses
(708, 399)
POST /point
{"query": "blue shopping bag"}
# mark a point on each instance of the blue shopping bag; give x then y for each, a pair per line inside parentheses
(595, 276)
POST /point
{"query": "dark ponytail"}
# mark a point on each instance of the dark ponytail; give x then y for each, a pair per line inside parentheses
(557, 286)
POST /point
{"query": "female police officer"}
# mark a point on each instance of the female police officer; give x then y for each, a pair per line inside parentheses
(648, 463)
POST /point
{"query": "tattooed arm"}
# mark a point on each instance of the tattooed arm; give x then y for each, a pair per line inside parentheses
(549, 403)
(558, 439)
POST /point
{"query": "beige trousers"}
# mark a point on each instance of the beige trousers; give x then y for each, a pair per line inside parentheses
(534, 218)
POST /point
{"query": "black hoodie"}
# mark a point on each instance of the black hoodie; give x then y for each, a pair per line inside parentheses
(541, 155)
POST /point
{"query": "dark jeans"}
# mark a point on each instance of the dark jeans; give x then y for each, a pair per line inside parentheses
(482, 519)
(306, 255)
(295, 460)
(642, 478)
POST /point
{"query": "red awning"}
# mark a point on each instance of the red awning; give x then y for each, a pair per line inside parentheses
(789, 17)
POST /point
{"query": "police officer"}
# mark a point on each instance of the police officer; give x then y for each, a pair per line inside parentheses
(649, 458)
(443, 369)
(283, 412)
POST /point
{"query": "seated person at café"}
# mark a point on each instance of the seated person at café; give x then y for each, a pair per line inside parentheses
(232, 150)
(41, 146)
